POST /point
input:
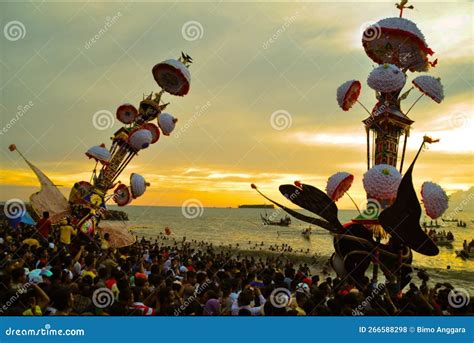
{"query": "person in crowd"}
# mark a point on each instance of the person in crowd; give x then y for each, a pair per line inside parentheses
(44, 227)
(66, 232)
(169, 277)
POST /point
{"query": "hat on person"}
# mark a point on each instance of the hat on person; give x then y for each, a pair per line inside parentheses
(46, 272)
(303, 288)
(140, 276)
(36, 275)
(308, 281)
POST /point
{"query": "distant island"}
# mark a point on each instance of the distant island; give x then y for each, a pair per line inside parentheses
(256, 206)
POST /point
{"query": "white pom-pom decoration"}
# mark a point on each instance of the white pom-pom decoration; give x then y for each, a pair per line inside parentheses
(166, 122)
(434, 199)
(430, 86)
(381, 182)
(140, 139)
(99, 153)
(386, 78)
(137, 185)
(338, 184)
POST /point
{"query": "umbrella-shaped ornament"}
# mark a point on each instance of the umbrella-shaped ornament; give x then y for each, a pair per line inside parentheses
(122, 195)
(173, 76)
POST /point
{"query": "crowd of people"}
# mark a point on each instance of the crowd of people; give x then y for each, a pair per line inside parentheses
(54, 270)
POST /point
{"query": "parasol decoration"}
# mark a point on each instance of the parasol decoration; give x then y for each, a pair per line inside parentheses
(348, 94)
(339, 184)
(402, 218)
(167, 123)
(314, 200)
(127, 113)
(49, 198)
(173, 76)
(386, 78)
(140, 139)
(398, 41)
(122, 195)
(155, 132)
(138, 185)
(314, 221)
(99, 153)
(434, 199)
(119, 235)
(428, 85)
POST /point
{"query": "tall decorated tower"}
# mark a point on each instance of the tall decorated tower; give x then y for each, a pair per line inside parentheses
(398, 47)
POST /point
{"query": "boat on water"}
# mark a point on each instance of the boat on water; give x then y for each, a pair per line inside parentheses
(464, 254)
(442, 238)
(461, 224)
(285, 221)
(449, 220)
(431, 225)
(443, 242)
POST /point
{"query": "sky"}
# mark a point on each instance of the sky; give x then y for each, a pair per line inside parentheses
(262, 105)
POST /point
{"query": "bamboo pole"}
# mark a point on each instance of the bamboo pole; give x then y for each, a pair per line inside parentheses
(368, 147)
(404, 149)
